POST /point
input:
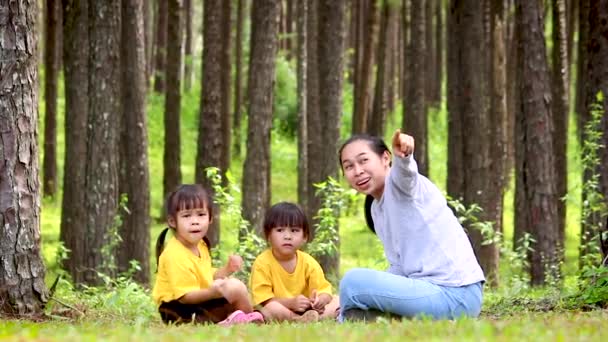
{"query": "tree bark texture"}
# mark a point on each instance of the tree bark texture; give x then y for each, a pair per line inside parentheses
(256, 170)
(22, 288)
(455, 181)
(134, 178)
(238, 77)
(561, 104)
(226, 75)
(331, 67)
(210, 136)
(414, 113)
(51, 69)
(188, 53)
(302, 38)
(537, 172)
(160, 46)
(101, 176)
(76, 59)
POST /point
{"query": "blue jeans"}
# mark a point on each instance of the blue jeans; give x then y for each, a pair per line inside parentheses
(366, 289)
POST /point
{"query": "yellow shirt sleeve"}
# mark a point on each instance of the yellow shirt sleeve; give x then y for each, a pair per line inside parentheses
(260, 283)
(316, 277)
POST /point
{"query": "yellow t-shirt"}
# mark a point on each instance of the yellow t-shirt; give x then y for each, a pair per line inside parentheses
(269, 279)
(180, 271)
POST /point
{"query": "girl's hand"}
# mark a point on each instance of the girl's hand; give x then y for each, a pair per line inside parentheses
(300, 303)
(403, 144)
(216, 287)
(318, 302)
(235, 263)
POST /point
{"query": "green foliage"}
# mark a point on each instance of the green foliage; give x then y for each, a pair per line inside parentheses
(113, 238)
(285, 106)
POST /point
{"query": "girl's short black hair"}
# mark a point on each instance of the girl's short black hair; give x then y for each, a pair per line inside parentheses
(185, 197)
(286, 214)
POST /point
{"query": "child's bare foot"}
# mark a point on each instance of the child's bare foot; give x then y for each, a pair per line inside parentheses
(308, 317)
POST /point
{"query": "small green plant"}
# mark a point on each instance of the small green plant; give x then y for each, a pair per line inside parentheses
(113, 240)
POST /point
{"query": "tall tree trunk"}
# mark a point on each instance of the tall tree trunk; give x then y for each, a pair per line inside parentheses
(160, 45)
(226, 74)
(560, 80)
(332, 15)
(22, 288)
(51, 67)
(301, 27)
(76, 58)
(455, 181)
(571, 21)
(377, 119)
(498, 115)
(581, 74)
(256, 170)
(477, 135)
(436, 94)
(188, 51)
(537, 174)
(101, 178)
(289, 15)
(238, 72)
(415, 116)
(210, 142)
(597, 81)
(314, 145)
(363, 99)
(172, 175)
(406, 9)
(148, 25)
(429, 61)
(134, 178)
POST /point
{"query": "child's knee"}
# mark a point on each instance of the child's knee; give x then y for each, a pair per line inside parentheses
(233, 288)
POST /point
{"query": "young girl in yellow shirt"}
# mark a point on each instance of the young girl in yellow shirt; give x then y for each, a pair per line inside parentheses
(188, 288)
(287, 282)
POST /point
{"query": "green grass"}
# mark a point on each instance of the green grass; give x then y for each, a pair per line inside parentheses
(126, 312)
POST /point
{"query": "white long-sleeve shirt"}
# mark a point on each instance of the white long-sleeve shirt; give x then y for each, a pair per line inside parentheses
(421, 236)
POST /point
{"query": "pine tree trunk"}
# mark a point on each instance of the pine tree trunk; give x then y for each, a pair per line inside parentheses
(160, 45)
(332, 20)
(76, 59)
(363, 99)
(148, 24)
(51, 69)
(22, 288)
(256, 170)
(429, 61)
(560, 87)
(313, 119)
(238, 87)
(538, 174)
(302, 17)
(414, 114)
(172, 176)
(134, 179)
(455, 181)
(188, 60)
(226, 75)
(101, 178)
(439, 42)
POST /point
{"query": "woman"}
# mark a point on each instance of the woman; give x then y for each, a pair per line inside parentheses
(433, 271)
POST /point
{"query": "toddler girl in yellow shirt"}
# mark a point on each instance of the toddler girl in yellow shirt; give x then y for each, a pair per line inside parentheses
(188, 288)
(289, 283)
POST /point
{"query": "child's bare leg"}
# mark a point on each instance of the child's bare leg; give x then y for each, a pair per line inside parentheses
(236, 294)
(331, 309)
(275, 311)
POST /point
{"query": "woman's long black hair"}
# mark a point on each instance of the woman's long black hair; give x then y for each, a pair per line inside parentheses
(377, 145)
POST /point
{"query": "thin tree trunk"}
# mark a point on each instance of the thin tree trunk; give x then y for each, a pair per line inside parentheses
(313, 119)
(134, 178)
(238, 97)
(363, 99)
(331, 67)
(188, 60)
(210, 148)
(22, 288)
(560, 75)
(256, 170)
(429, 61)
(415, 116)
(76, 57)
(172, 175)
(148, 24)
(51, 69)
(302, 17)
(225, 81)
(455, 182)
(436, 94)
(160, 45)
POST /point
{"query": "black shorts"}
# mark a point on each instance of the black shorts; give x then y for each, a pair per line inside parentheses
(211, 311)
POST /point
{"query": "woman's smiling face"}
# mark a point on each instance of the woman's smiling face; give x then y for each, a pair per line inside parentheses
(364, 169)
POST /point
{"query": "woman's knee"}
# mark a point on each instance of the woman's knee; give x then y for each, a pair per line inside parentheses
(354, 279)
